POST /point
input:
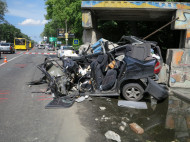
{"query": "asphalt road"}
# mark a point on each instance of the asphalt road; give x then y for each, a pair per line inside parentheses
(23, 117)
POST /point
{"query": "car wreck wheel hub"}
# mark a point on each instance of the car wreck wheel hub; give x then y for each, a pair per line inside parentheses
(132, 92)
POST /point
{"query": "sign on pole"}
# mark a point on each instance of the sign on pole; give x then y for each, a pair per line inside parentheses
(45, 38)
(75, 42)
(66, 35)
(59, 42)
(60, 33)
(71, 35)
(51, 39)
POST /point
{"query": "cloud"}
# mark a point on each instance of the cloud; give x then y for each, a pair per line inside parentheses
(33, 22)
(27, 13)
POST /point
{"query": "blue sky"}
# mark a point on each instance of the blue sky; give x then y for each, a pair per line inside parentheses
(28, 16)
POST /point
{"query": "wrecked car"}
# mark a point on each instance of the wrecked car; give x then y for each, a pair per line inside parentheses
(129, 70)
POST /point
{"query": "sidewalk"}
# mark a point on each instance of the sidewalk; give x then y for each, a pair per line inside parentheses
(181, 92)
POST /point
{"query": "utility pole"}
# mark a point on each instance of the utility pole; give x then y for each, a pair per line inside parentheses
(66, 34)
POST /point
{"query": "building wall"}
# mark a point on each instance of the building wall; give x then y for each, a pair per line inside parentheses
(179, 62)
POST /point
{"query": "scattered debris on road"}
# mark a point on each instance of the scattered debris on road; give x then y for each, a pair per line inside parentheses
(102, 108)
(136, 128)
(96, 119)
(121, 128)
(124, 123)
(113, 136)
(132, 104)
(80, 99)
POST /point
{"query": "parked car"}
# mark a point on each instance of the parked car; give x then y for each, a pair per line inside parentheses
(7, 48)
(66, 51)
(41, 46)
(50, 48)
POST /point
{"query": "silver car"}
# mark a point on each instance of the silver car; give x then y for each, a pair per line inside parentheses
(66, 51)
(41, 46)
(51, 48)
(7, 47)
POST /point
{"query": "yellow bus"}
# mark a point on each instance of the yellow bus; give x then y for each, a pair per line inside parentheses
(21, 43)
(30, 44)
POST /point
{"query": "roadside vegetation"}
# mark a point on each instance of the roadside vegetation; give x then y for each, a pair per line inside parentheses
(61, 11)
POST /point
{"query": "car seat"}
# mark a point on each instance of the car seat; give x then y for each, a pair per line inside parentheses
(98, 69)
(109, 80)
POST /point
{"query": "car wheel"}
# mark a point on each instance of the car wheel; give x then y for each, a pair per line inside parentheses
(133, 92)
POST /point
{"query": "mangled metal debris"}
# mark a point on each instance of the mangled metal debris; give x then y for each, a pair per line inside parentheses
(129, 69)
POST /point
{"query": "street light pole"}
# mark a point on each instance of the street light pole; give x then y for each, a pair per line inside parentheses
(66, 38)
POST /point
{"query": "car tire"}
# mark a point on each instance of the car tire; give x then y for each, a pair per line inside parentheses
(133, 92)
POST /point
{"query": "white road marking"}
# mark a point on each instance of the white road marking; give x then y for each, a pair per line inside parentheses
(11, 59)
(37, 53)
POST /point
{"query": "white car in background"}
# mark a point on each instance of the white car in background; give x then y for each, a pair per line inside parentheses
(41, 46)
(66, 51)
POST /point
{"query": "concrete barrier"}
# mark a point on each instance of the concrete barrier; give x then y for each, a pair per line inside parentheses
(179, 62)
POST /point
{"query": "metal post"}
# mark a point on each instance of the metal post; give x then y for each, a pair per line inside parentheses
(66, 32)
(161, 28)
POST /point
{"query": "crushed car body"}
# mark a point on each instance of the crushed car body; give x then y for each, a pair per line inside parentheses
(130, 70)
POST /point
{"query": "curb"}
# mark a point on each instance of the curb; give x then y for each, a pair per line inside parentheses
(182, 95)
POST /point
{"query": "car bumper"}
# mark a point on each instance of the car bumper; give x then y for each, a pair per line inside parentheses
(6, 50)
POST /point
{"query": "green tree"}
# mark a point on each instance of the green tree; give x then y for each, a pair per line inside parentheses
(9, 32)
(3, 10)
(59, 11)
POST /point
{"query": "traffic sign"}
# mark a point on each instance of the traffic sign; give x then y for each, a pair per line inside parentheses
(71, 35)
(75, 42)
(60, 33)
(45, 38)
(51, 39)
(59, 42)
(66, 35)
